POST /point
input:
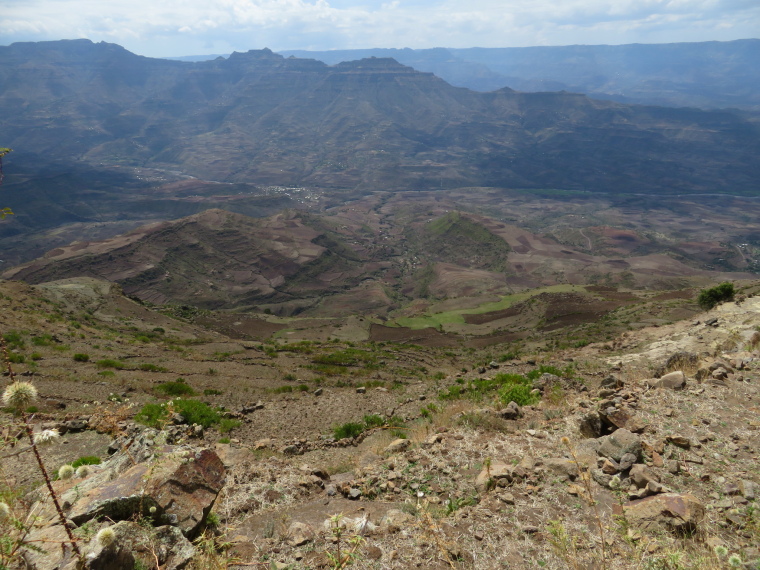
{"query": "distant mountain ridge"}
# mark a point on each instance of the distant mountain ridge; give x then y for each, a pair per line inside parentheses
(706, 75)
(258, 117)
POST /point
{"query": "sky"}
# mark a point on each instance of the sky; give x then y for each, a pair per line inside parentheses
(168, 28)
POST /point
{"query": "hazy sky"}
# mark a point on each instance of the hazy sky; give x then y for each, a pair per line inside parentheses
(190, 27)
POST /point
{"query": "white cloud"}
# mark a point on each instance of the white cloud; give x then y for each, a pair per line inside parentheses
(177, 27)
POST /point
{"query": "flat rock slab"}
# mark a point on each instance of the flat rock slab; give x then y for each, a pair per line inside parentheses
(181, 488)
(669, 511)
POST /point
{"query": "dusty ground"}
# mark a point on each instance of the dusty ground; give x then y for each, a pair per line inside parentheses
(422, 504)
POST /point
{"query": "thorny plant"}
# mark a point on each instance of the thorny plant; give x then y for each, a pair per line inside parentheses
(18, 396)
(345, 551)
(585, 478)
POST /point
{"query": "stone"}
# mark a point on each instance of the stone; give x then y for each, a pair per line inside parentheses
(610, 466)
(590, 425)
(511, 412)
(319, 391)
(394, 520)
(679, 441)
(498, 473)
(181, 485)
(673, 466)
(431, 441)
(627, 461)
(641, 475)
(565, 468)
(672, 381)
(361, 390)
(170, 547)
(397, 446)
(748, 489)
(619, 443)
(354, 494)
(299, 534)
(675, 512)
(623, 418)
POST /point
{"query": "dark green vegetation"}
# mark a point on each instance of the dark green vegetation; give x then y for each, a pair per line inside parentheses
(176, 388)
(371, 421)
(193, 412)
(708, 298)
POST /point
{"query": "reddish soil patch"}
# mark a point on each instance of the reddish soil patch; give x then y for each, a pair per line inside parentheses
(490, 317)
(567, 309)
(424, 337)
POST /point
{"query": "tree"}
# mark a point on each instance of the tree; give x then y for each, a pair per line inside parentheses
(708, 298)
(3, 151)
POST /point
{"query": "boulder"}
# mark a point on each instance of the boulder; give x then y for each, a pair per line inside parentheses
(619, 443)
(641, 475)
(675, 512)
(134, 542)
(565, 468)
(673, 381)
(299, 534)
(397, 446)
(590, 425)
(180, 486)
(511, 412)
(497, 473)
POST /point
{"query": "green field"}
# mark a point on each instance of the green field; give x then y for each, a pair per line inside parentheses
(437, 320)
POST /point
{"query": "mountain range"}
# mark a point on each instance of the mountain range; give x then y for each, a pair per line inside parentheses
(701, 74)
(369, 124)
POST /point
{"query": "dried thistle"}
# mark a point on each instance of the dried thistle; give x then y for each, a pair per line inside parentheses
(65, 472)
(19, 395)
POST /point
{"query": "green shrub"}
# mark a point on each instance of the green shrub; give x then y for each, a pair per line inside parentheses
(708, 298)
(36, 356)
(226, 425)
(106, 373)
(178, 388)
(152, 415)
(302, 388)
(42, 340)
(109, 363)
(348, 430)
(13, 339)
(16, 358)
(519, 394)
(86, 460)
(196, 412)
(224, 440)
(212, 392)
(373, 421)
(282, 390)
(79, 357)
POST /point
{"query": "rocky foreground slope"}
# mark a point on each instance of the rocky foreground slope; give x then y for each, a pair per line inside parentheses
(640, 453)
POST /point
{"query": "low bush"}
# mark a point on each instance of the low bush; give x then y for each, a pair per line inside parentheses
(708, 298)
(177, 388)
(151, 415)
(86, 460)
(226, 425)
(80, 357)
(109, 363)
(348, 430)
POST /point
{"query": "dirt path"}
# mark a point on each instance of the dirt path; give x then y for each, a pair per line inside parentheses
(590, 247)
